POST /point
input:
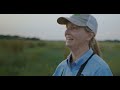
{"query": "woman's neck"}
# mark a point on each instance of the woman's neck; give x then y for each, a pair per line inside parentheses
(78, 52)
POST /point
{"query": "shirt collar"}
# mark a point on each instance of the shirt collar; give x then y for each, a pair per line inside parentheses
(80, 60)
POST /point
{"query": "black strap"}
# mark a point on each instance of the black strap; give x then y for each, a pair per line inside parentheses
(83, 66)
(62, 72)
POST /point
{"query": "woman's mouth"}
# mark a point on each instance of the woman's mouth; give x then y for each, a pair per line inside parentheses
(69, 39)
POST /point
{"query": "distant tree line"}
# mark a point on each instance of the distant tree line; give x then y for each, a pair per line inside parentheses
(17, 37)
(117, 41)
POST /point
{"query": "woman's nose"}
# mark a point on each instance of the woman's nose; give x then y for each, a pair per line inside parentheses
(67, 32)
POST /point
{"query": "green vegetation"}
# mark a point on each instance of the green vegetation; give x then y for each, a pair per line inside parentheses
(111, 54)
(19, 57)
(28, 58)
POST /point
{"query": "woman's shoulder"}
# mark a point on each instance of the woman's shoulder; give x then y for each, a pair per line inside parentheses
(99, 61)
(98, 67)
(60, 68)
(63, 63)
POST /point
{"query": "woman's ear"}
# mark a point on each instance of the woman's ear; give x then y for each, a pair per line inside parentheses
(90, 36)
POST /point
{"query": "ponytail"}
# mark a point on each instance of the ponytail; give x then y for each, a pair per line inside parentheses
(93, 43)
(95, 46)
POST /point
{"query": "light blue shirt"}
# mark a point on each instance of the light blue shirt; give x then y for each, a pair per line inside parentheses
(96, 66)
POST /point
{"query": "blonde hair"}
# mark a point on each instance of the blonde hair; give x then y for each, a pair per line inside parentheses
(93, 43)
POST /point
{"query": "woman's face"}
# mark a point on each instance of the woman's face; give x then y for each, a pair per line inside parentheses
(76, 36)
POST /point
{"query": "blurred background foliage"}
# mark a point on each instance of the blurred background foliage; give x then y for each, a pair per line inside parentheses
(34, 57)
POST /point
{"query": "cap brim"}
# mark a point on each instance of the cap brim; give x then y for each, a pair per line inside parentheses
(63, 20)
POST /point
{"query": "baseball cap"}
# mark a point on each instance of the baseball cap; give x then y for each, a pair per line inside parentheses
(80, 20)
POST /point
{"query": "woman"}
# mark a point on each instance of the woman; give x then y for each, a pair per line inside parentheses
(84, 59)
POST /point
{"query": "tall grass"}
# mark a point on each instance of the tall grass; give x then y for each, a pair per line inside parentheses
(13, 46)
(13, 55)
(111, 54)
(40, 58)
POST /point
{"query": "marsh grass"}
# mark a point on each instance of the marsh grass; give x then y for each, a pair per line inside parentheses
(40, 58)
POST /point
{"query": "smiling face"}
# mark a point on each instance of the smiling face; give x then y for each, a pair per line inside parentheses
(76, 36)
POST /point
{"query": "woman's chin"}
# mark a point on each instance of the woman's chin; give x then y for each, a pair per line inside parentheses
(68, 44)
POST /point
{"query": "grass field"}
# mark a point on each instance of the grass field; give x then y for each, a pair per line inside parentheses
(40, 58)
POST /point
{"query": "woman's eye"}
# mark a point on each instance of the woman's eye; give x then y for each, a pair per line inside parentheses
(73, 28)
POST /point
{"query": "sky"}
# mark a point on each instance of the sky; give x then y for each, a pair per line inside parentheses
(45, 26)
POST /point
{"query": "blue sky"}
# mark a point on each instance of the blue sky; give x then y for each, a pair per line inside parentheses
(45, 26)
